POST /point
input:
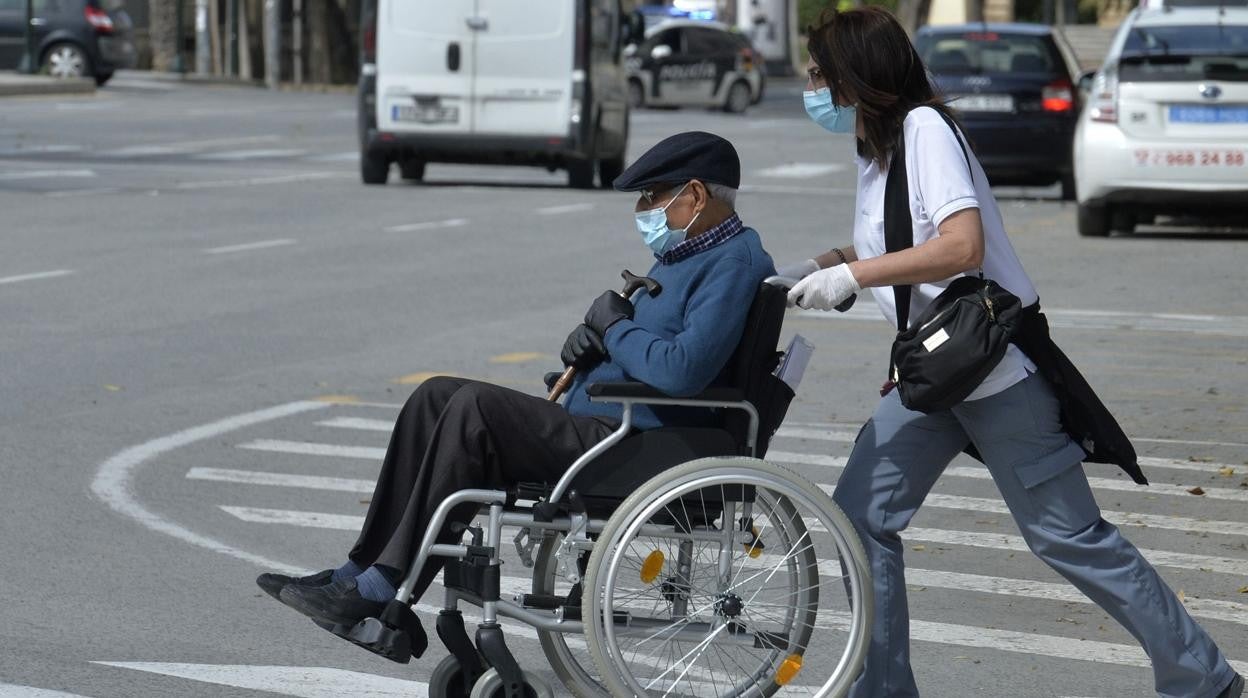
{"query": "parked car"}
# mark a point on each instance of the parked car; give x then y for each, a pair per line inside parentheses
(1013, 86)
(494, 81)
(73, 38)
(1165, 130)
(694, 63)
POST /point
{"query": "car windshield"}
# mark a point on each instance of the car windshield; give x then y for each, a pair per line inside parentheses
(988, 52)
(1181, 53)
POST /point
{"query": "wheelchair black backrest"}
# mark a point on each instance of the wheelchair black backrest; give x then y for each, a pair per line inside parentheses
(752, 369)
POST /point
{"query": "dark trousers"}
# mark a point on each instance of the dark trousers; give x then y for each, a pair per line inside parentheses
(455, 434)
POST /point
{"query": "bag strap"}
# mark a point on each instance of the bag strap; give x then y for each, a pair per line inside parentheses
(898, 224)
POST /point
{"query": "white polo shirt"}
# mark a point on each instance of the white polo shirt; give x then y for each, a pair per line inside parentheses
(941, 185)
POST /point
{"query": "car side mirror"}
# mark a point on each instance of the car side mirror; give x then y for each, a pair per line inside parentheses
(1085, 81)
(660, 52)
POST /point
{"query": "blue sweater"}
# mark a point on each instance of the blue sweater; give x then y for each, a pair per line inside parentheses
(680, 341)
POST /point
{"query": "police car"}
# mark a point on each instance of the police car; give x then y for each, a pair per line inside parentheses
(694, 63)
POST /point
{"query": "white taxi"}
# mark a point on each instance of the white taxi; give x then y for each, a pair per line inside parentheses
(1165, 126)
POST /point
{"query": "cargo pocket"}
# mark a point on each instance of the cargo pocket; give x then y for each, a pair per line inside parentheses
(1061, 499)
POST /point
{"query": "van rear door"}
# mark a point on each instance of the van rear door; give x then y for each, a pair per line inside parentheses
(425, 66)
(524, 59)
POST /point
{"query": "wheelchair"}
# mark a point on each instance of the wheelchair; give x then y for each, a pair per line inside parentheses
(671, 561)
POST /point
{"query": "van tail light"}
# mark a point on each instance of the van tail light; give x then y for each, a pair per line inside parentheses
(1103, 103)
(1058, 96)
(98, 19)
(369, 44)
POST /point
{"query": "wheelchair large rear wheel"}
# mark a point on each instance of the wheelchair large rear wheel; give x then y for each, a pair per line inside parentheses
(567, 654)
(727, 577)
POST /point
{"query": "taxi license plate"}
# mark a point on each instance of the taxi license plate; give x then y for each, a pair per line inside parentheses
(421, 114)
(1216, 158)
(983, 103)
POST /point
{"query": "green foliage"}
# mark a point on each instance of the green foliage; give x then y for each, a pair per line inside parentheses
(808, 10)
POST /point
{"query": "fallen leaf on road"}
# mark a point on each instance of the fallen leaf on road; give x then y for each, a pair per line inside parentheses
(1243, 590)
(1228, 471)
(113, 388)
(919, 548)
(1196, 491)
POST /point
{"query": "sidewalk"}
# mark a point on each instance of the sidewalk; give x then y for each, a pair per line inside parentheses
(19, 85)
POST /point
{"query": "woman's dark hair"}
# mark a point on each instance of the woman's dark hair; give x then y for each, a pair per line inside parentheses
(866, 56)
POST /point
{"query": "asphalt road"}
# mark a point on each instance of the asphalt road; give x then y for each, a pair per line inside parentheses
(196, 288)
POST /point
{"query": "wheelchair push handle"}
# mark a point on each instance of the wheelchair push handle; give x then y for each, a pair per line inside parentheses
(632, 284)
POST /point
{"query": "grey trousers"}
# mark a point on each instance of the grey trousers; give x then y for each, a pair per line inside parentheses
(895, 462)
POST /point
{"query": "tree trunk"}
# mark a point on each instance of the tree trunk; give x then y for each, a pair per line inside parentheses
(244, 39)
(214, 35)
(162, 33)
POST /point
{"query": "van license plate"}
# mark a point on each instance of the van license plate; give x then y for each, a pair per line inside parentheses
(1207, 114)
(416, 113)
(984, 103)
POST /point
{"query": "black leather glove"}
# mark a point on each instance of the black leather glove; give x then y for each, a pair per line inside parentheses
(550, 379)
(583, 349)
(607, 310)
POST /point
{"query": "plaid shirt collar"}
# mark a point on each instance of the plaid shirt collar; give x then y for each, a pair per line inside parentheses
(715, 236)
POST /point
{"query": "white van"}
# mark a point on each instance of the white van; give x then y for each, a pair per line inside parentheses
(494, 81)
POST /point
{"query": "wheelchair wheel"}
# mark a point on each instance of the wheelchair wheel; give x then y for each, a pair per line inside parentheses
(490, 685)
(727, 577)
(567, 655)
(447, 679)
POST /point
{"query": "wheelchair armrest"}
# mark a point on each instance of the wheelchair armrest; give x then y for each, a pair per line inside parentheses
(640, 392)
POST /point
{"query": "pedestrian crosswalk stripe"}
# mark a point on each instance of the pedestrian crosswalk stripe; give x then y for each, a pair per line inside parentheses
(304, 682)
(253, 477)
(381, 425)
(305, 448)
(9, 690)
(303, 519)
(1100, 483)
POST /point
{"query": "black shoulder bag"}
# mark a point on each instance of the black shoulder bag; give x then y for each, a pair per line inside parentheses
(962, 335)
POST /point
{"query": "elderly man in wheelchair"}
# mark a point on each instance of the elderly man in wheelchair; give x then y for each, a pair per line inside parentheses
(667, 558)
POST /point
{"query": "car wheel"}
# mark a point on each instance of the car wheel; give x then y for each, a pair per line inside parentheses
(1068, 187)
(66, 60)
(1122, 221)
(101, 78)
(374, 167)
(1093, 221)
(581, 173)
(738, 98)
(412, 169)
(636, 95)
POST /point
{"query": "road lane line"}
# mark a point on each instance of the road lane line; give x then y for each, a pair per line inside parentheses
(358, 423)
(305, 448)
(247, 247)
(300, 519)
(112, 481)
(9, 690)
(427, 225)
(36, 276)
(256, 181)
(252, 154)
(304, 682)
(181, 147)
(801, 170)
(560, 210)
(1104, 483)
(17, 175)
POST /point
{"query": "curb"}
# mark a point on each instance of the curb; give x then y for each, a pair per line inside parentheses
(26, 86)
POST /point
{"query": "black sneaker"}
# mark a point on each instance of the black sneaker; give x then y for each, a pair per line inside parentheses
(338, 603)
(1235, 689)
(273, 583)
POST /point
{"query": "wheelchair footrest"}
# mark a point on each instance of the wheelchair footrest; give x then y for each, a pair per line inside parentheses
(397, 635)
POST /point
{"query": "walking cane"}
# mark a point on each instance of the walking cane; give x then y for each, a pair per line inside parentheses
(632, 283)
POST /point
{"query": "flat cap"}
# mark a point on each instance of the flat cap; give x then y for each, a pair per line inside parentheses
(682, 157)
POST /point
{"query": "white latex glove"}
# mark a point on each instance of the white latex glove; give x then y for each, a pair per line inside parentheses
(798, 270)
(825, 289)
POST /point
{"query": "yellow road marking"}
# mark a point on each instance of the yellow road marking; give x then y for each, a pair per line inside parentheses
(518, 357)
(338, 399)
(418, 378)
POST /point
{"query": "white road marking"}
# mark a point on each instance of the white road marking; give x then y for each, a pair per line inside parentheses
(560, 210)
(305, 448)
(112, 482)
(347, 156)
(249, 246)
(786, 189)
(93, 191)
(301, 519)
(17, 175)
(358, 423)
(36, 276)
(255, 477)
(427, 225)
(252, 154)
(305, 682)
(41, 149)
(801, 170)
(1227, 325)
(1104, 483)
(179, 147)
(256, 181)
(9, 690)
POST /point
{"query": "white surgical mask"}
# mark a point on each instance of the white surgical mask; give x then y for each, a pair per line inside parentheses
(652, 225)
(824, 112)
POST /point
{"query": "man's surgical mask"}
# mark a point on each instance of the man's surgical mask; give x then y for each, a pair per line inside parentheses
(652, 225)
(822, 111)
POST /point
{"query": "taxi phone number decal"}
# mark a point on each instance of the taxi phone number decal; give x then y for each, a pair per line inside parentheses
(1190, 158)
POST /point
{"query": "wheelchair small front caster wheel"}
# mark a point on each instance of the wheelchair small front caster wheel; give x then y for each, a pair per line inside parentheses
(447, 679)
(490, 685)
